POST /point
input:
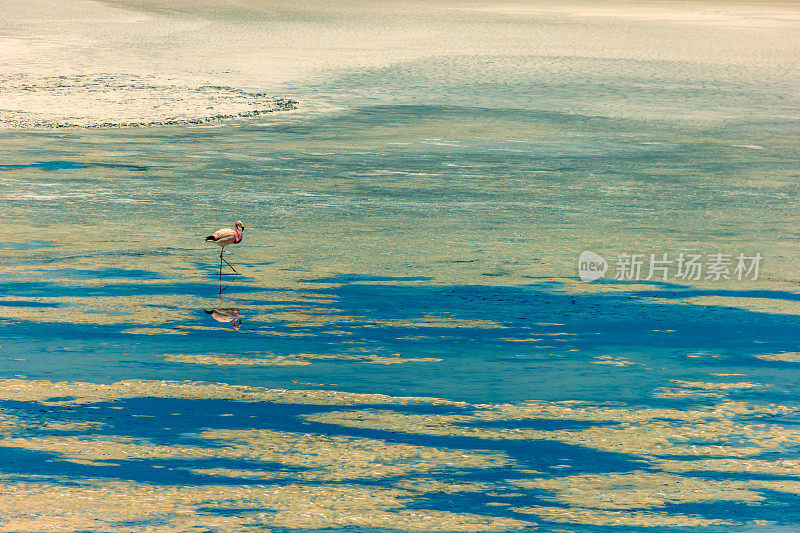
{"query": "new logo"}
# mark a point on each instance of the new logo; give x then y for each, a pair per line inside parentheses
(591, 266)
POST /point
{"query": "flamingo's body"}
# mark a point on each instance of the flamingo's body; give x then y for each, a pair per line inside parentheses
(227, 236)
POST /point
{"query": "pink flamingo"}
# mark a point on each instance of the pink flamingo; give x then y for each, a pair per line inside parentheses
(227, 236)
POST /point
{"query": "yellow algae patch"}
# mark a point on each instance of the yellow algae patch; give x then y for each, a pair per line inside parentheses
(294, 316)
(330, 464)
(156, 309)
(243, 474)
(275, 333)
(308, 383)
(204, 328)
(651, 438)
(211, 359)
(638, 489)
(657, 436)
(306, 318)
(89, 448)
(598, 517)
(300, 359)
(700, 388)
(397, 360)
(571, 286)
(9, 422)
(610, 360)
(110, 506)
(104, 310)
(83, 393)
(790, 467)
(784, 485)
(667, 393)
(434, 322)
(335, 458)
(652, 432)
(341, 458)
(757, 305)
(154, 331)
(717, 386)
(608, 412)
(426, 485)
(786, 357)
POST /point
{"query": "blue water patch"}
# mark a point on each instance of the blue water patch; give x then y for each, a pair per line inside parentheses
(160, 471)
(487, 343)
(30, 245)
(172, 421)
(27, 303)
(105, 273)
(49, 166)
(496, 344)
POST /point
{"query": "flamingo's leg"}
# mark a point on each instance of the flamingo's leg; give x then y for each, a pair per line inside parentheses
(226, 262)
(220, 274)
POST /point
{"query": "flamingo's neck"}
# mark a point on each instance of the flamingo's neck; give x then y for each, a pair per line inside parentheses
(239, 235)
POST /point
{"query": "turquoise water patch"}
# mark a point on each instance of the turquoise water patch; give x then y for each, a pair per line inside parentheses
(106, 273)
(31, 245)
(50, 166)
(531, 341)
(47, 166)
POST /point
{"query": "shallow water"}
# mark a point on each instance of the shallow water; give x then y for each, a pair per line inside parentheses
(408, 346)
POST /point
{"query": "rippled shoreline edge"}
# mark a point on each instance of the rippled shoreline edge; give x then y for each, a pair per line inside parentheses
(279, 104)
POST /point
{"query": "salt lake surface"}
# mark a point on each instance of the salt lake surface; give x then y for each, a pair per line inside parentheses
(408, 346)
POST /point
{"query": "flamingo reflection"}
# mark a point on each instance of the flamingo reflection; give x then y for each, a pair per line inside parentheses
(226, 314)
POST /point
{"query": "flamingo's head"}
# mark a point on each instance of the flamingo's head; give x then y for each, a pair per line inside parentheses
(239, 225)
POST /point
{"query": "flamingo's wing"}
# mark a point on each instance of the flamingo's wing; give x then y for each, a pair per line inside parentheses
(223, 237)
(224, 233)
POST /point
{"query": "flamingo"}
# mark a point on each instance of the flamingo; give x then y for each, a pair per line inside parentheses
(227, 236)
